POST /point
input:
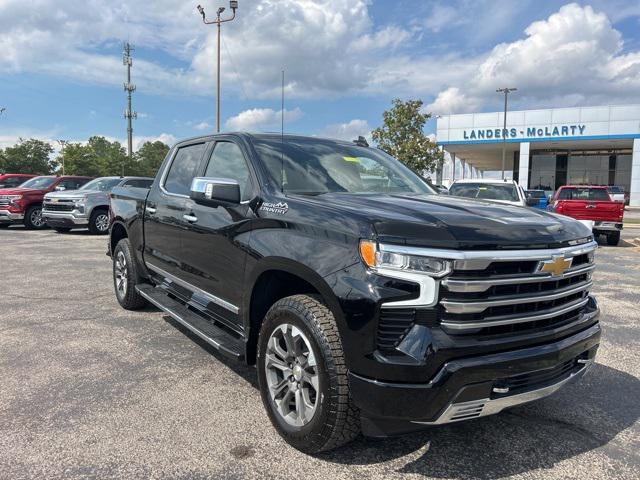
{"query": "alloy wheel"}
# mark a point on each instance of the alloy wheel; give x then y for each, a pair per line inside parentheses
(292, 375)
(121, 274)
(36, 218)
(102, 222)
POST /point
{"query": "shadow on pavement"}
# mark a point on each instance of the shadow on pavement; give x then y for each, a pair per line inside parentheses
(582, 417)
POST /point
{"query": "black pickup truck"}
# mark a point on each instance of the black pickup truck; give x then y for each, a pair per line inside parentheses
(368, 302)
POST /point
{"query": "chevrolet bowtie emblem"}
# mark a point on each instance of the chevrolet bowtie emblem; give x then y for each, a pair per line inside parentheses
(556, 266)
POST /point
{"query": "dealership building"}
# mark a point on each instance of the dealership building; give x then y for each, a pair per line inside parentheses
(546, 149)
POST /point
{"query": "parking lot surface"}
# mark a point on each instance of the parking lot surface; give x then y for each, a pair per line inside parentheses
(89, 390)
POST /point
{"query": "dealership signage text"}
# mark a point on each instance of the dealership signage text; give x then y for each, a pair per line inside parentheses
(529, 132)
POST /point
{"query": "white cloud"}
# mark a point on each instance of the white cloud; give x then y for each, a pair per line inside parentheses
(348, 131)
(202, 126)
(573, 57)
(261, 118)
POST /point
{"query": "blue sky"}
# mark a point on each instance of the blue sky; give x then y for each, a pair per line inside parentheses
(61, 72)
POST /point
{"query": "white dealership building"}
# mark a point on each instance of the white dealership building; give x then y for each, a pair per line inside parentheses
(548, 148)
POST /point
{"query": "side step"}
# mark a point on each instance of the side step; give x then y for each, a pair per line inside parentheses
(207, 330)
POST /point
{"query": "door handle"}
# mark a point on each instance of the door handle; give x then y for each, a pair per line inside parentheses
(190, 218)
(150, 210)
(591, 206)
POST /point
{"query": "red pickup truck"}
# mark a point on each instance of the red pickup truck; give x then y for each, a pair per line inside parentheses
(9, 180)
(591, 203)
(24, 203)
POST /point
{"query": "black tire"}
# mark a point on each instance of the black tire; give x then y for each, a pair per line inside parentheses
(335, 421)
(613, 238)
(33, 218)
(126, 293)
(62, 229)
(99, 222)
(4, 225)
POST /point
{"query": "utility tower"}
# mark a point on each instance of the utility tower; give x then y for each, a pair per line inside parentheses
(129, 87)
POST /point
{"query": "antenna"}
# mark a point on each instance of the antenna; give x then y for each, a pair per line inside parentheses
(282, 133)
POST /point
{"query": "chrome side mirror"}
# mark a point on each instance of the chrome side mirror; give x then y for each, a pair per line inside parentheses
(215, 191)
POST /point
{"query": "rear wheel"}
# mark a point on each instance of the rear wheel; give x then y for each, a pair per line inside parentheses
(303, 376)
(33, 218)
(125, 277)
(99, 222)
(613, 238)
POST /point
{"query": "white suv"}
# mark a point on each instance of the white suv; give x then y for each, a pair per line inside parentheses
(499, 191)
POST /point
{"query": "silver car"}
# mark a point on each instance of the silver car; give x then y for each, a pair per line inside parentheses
(87, 207)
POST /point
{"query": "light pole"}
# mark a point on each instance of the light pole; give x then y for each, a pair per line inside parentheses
(506, 92)
(233, 4)
(63, 143)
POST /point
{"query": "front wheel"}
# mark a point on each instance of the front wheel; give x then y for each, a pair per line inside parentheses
(303, 376)
(99, 222)
(125, 277)
(613, 238)
(33, 218)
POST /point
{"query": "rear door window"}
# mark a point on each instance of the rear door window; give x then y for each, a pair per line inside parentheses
(584, 194)
(183, 169)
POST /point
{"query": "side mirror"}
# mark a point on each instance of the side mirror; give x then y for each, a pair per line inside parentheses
(60, 188)
(215, 191)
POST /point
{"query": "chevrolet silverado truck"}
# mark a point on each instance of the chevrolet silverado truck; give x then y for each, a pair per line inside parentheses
(366, 301)
(87, 207)
(592, 204)
(23, 204)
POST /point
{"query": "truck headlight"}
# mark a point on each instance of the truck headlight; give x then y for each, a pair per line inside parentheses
(387, 259)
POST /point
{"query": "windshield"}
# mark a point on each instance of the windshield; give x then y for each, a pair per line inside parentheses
(101, 184)
(317, 166)
(39, 182)
(486, 191)
(536, 193)
(596, 194)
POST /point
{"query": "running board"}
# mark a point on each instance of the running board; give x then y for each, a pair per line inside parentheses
(215, 336)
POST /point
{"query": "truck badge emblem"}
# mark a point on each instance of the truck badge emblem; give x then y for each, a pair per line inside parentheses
(280, 208)
(556, 266)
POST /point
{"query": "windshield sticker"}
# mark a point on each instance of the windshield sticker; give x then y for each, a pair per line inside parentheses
(280, 208)
(351, 159)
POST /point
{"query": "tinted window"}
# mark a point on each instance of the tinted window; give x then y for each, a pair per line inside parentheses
(487, 191)
(39, 182)
(101, 184)
(139, 183)
(536, 193)
(12, 182)
(316, 166)
(227, 161)
(593, 194)
(73, 183)
(615, 190)
(183, 169)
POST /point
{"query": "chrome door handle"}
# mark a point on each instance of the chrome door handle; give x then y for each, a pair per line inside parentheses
(150, 210)
(190, 218)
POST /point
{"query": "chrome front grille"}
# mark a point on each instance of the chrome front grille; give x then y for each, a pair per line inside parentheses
(487, 294)
(61, 205)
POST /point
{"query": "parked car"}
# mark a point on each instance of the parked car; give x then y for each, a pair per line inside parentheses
(87, 207)
(378, 306)
(24, 203)
(537, 199)
(507, 192)
(441, 189)
(616, 193)
(591, 203)
(12, 180)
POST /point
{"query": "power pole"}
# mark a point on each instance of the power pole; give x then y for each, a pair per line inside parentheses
(129, 87)
(233, 4)
(63, 143)
(506, 92)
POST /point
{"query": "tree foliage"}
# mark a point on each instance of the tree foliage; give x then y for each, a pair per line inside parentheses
(148, 158)
(402, 136)
(27, 156)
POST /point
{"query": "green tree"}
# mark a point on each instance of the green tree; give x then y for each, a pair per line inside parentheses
(148, 158)
(27, 156)
(402, 136)
(99, 157)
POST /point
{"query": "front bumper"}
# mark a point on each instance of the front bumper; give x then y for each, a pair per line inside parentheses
(475, 386)
(10, 217)
(67, 219)
(607, 226)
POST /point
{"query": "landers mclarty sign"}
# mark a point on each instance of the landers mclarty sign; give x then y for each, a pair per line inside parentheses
(528, 132)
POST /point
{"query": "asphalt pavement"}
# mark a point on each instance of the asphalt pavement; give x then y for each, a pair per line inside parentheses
(89, 390)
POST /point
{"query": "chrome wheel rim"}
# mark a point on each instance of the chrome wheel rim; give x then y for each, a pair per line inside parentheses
(36, 218)
(102, 222)
(121, 274)
(292, 375)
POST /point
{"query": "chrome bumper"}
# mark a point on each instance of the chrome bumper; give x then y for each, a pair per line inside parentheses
(457, 412)
(607, 226)
(6, 215)
(68, 216)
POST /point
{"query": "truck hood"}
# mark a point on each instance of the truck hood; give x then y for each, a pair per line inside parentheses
(454, 222)
(73, 194)
(20, 191)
